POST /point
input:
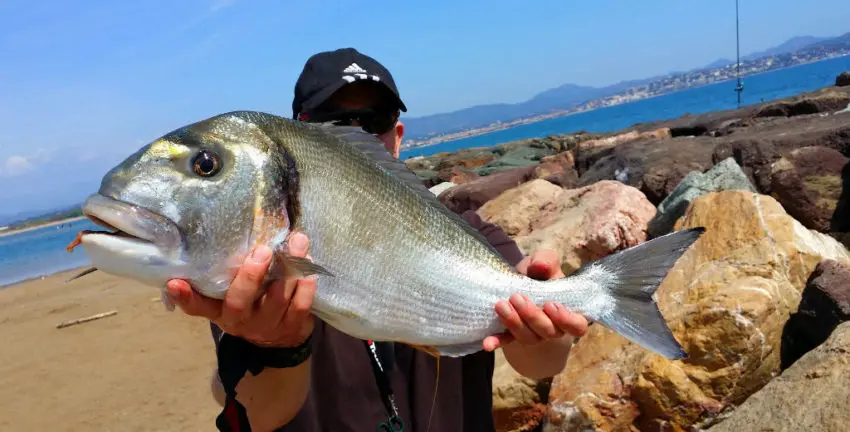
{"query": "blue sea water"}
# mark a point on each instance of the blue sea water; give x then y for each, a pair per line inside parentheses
(39, 252)
(42, 252)
(715, 97)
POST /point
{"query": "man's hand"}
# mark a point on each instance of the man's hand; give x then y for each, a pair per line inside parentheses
(529, 324)
(281, 317)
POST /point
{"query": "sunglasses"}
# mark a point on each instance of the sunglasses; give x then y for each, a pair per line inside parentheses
(374, 121)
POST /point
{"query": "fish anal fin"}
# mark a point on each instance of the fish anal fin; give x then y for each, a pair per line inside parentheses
(285, 266)
(460, 350)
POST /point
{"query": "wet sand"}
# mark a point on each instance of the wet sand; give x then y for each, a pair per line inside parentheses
(144, 369)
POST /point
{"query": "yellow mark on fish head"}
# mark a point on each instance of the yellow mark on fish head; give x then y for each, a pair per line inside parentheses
(164, 148)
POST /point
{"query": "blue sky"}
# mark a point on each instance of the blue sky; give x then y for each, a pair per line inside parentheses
(83, 83)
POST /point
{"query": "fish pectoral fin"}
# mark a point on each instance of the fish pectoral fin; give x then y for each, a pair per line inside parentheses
(285, 266)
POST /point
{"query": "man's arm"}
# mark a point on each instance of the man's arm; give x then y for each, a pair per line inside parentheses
(280, 318)
(538, 340)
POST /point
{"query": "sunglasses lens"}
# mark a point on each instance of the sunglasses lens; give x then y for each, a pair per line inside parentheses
(371, 121)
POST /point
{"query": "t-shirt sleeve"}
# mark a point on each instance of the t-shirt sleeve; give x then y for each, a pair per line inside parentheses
(495, 236)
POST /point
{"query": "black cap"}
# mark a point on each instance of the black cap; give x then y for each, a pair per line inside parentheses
(326, 72)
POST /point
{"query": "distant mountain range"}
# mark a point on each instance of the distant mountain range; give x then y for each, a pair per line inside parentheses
(570, 96)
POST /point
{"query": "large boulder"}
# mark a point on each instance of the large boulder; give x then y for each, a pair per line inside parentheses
(807, 104)
(807, 182)
(726, 175)
(726, 301)
(582, 224)
(654, 166)
(472, 195)
(590, 151)
(754, 156)
(810, 396)
(519, 402)
(825, 304)
(843, 79)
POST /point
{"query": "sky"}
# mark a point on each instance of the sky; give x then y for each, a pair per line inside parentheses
(83, 83)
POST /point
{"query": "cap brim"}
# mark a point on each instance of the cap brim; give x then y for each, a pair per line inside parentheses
(320, 97)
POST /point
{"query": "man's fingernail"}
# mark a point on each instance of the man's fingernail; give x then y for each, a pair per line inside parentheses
(298, 243)
(261, 254)
(503, 309)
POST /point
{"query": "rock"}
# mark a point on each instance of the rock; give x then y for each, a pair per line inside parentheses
(472, 195)
(725, 175)
(807, 182)
(810, 396)
(519, 403)
(754, 156)
(564, 158)
(442, 187)
(457, 174)
(821, 103)
(469, 158)
(726, 300)
(655, 167)
(588, 152)
(517, 157)
(558, 169)
(843, 79)
(709, 123)
(786, 134)
(825, 304)
(429, 178)
(581, 224)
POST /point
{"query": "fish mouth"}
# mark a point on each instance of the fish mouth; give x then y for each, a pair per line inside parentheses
(127, 223)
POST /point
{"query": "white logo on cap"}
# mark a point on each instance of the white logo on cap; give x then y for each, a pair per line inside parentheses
(354, 68)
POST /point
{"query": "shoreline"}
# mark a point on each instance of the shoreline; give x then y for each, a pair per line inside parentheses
(46, 275)
(551, 116)
(10, 232)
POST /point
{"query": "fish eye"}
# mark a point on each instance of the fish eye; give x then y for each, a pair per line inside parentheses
(206, 163)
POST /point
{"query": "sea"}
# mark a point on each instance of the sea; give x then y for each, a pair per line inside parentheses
(40, 252)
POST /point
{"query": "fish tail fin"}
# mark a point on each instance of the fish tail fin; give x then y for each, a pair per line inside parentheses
(629, 278)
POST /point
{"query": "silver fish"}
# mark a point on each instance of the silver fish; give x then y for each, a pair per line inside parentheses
(393, 264)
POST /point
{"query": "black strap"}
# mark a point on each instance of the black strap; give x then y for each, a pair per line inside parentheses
(381, 372)
(231, 368)
(237, 356)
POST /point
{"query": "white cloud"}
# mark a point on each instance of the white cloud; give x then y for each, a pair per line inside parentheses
(14, 166)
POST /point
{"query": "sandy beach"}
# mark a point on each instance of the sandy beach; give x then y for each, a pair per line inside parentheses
(144, 369)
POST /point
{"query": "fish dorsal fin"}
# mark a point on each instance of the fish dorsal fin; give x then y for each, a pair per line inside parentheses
(374, 149)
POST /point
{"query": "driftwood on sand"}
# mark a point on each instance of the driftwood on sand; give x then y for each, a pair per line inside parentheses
(86, 319)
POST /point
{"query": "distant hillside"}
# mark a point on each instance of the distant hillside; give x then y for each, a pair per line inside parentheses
(25, 217)
(570, 95)
(789, 46)
(562, 97)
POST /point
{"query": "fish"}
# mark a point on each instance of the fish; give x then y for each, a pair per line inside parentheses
(391, 262)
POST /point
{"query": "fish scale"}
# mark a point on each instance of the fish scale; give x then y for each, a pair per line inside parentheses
(392, 263)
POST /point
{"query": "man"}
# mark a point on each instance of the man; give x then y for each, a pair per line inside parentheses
(317, 378)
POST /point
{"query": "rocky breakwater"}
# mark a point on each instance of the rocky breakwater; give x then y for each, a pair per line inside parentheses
(770, 189)
(726, 301)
